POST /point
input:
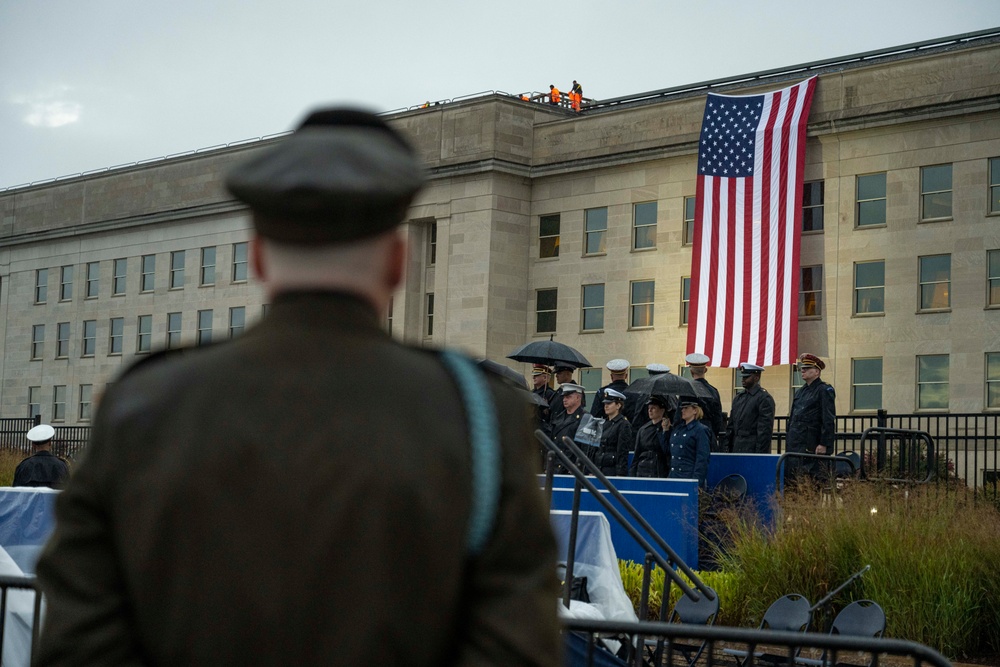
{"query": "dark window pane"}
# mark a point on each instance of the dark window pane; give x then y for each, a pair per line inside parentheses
(870, 274)
(812, 219)
(645, 237)
(645, 214)
(871, 186)
(596, 243)
(871, 213)
(547, 299)
(593, 318)
(937, 205)
(935, 267)
(868, 397)
(935, 179)
(548, 247)
(597, 219)
(593, 296)
(549, 225)
(867, 371)
(812, 193)
(545, 322)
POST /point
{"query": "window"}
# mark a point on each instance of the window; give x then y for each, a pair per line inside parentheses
(88, 345)
(37, 341)
(239, 262)
(685, 371)
(797, 381)
(41, 285)
(144, 335)
(62, 340)
(207, 275)
(65, 283)
(546, 306)
(204, 327)
(548, 236)
(118, 277)
(866, 384)
(994, 185)
(932, 382)
(59, 403)
(811, 291)
(432, 240)
(935, 282)
(34, 401)
(641, 304)
(636, 373)
(993, 277)
(685, 299)
(644, 226)
(812, 206)
(429, 321)
(591, 380)
(173, 330)
(593, 307)
(237, 321)
(116, 334)
(93, 279)
(597, 231)
(869, 288)
(935, 192)
(871, 200)
(737, 382)
(689, 220)
(86, 393)
(993, 379)
(148, 273)
(177, 269)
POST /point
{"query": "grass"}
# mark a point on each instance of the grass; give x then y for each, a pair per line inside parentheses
(8, 463)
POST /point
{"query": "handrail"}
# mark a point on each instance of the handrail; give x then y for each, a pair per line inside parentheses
(779, 468)
(915, 433)
(27, 583)
(581, 478)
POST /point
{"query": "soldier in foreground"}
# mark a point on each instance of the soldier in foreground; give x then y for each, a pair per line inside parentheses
(240, 504)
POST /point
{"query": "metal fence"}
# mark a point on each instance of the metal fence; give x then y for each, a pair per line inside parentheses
(68, 443)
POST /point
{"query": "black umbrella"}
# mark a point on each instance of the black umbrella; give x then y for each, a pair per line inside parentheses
(508, 375)
(549, 352)
(664, 384)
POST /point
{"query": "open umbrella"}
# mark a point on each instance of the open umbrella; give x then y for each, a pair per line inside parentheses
(665, 384)
(549, 352)
(508, 375)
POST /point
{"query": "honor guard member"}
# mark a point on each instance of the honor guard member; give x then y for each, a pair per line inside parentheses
(751, 421)
(689, 443)
(43, 468)
(698, 363)
(564, 375)
(619, 371)
(616, 438)
(572, 396)
(238, 506)
(540, 376)
(812, 423)
(635, 405)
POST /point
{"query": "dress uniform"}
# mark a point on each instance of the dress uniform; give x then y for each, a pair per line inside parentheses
(751, 420)
(556, 409)
(689, 446)
(238, 506)
(652, 452)
(619, 371)
(568, 423)
(616, 439)
(712, 403)
(813, 420)
(43, 468)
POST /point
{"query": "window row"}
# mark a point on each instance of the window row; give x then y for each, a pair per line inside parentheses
(114, 335)
(147, 274)
(641, 297)
(870, 205)
(60, 398)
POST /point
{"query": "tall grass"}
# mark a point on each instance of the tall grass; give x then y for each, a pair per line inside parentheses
(8, 463)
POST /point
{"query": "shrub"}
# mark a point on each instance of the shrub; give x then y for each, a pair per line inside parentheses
(8, 463)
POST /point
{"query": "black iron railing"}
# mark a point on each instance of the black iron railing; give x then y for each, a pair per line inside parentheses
(68, 443)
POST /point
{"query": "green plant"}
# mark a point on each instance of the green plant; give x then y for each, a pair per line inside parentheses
(8, 463)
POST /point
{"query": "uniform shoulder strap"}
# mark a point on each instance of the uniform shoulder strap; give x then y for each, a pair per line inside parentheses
(484, 434)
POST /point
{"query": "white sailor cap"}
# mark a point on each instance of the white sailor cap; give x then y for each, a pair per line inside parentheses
(41, 433)
(747, 368)
(697, 359)
(613, 395)
(657, 368)
(569, 388)
(618, 365)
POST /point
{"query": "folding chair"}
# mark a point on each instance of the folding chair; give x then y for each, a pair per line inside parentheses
(789, 613)
(731, 489)
(702, 612)
(862, 618)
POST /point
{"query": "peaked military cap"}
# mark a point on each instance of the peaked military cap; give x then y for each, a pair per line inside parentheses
(657, 369)
(685, 401)
(562, 367)
(612, 395)
(811, 361)
(697, 359)
(539, 369)
(747, 368)
(618, 365)
(343, 175)
(570, 388)
(41, 433)
(657, 399)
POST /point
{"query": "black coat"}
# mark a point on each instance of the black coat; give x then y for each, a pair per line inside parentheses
(713, 414)
(556, 409)
(813, 421)
(652, 453)
(239, 504)
(612, 456)
(751, 422)
(41, 469)
(567, 426)
(597, 409)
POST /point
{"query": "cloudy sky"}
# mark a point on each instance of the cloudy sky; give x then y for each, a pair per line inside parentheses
(88, 84)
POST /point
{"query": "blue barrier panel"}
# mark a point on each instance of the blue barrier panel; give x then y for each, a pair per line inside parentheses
(27, 518)
(669, 505)
(757, 469)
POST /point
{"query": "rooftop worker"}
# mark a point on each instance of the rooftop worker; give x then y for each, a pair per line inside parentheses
(619, 371)
(43, 468)
(554, 95)
(751, 421)
(240, 504)
(698, 363)
(575, 96)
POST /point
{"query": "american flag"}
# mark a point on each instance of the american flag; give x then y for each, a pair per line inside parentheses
(748, 213)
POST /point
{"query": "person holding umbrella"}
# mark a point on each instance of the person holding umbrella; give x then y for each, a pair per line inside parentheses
(564, 375)
(612, 456)
(652, 456)
(689, 444)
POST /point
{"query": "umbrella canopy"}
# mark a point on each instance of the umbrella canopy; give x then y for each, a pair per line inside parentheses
(508, 375)
(549, 352)
(666, 384)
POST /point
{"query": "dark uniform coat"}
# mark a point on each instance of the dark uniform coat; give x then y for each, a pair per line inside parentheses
(689, 451)
(751, 421)
(597, 409)
(713, 414)
(567, 425)
(813, 421)
(43, 468)
(652, 454)
(616, 439)
(556, 409)
(248, 504)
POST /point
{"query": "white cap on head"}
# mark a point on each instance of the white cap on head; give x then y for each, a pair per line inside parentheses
(41, 433)
(570, 388)
(657, 368)
(618, 365)
(613, 395)
(747, 368)
(697, 359)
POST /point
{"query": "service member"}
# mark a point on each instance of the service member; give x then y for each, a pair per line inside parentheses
(540, 376)
(652, 450)
(689, 443)
(564, 375)
(812, 423)
(698, 363)
(619, 371)
(239, 504)
(567, 424)
(751, 420)
(43, 468)
(616, 438)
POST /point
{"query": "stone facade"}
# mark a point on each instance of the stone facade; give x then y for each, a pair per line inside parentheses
(497, 165)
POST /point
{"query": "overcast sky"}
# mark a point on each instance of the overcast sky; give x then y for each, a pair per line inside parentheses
(87, 84)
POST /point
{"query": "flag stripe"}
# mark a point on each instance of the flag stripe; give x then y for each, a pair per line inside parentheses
(745, 264)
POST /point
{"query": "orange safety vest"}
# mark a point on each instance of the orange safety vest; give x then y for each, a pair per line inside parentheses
(554, 96)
